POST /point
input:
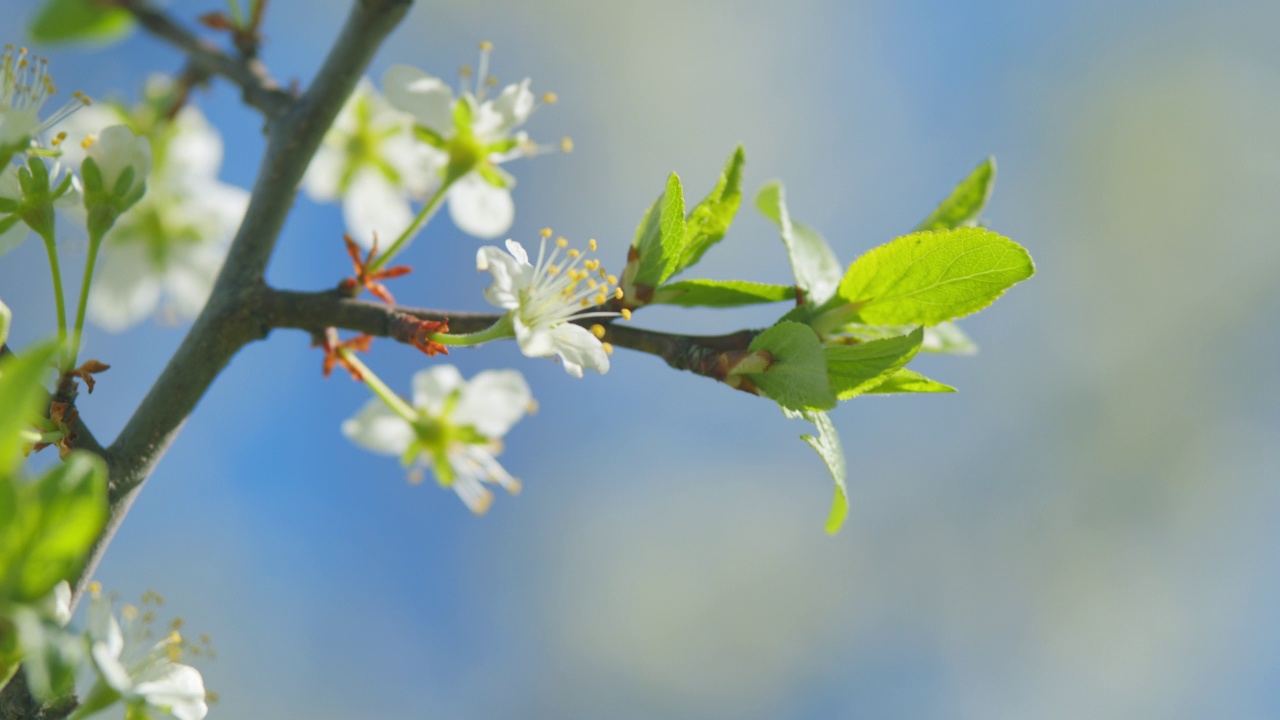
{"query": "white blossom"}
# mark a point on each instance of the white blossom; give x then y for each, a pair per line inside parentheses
(25, 85)
(142, 671)
(456, 428)
(370, 159)
(545, 299)
(472, 136)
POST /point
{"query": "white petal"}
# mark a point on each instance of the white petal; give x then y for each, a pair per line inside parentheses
(17, 125)
(323, 178)
(176, 689)
(493, 401)
(379, 429)
(433, 386)
(578, 348)
(194, 149)
(118, 148)
(480, 209)
(510, 276)
(500, 116)
(126, 288)
(372, 206)
(427, 98)
(189, 278)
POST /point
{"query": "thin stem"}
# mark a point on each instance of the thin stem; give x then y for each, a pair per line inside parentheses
(424, 215)
(95, 244)
(379, 388)
(500, 330)
(51, 247)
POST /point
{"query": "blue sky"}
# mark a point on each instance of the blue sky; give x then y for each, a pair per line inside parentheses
(1085, 529)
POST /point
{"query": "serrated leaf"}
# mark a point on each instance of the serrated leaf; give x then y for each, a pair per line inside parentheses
(660, 236)
(64, 21)
(709, 220)
(67, 509)
(855, 369)
(930, 277)
(964, 205)
(797, 379)
(908, 381)
(814, 264)
(21, 392)
(721, 293)
(827, 445)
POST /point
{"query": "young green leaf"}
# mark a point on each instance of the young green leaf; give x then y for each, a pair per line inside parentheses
(21, 392)
(854, 369)
(660, 236)
(930, 277)
(908, 381)
(827, 445)
(964, 205)
(63, 21)
(944, 338)
(721, 293)
(797, 378)
(814, 264)
(709, 220)
(63, 513)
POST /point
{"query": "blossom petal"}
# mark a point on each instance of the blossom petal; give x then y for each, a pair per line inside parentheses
(510, 276)
(323, 178)
(480, 209)
(427, 98)
(189, 278)
(379, 429)
(373, 206)
(433, 386)
(578, 348)
(118, 148)
(493, 401)
(176, 689)
(194, 150)
(504, 113)
(126, 288)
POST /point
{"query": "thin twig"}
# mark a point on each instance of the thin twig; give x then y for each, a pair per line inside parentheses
(258, 88)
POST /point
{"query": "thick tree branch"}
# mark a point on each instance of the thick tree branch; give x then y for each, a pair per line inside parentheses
(256, 85)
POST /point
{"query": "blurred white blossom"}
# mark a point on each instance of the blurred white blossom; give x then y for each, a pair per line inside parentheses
(456, 428)
(370, 159)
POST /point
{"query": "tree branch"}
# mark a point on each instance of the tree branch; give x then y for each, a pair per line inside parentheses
(257, 86)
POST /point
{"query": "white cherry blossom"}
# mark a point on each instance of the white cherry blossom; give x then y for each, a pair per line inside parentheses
(454, 427)
(544, 301)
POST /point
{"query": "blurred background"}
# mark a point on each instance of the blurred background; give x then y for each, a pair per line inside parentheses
(1087, 529)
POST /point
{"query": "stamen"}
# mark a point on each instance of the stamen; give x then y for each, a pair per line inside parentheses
(598, 331)
(626, 314)
(545, 232)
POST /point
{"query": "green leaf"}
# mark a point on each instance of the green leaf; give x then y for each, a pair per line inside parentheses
(721, 293)
(908, 381)
(63, 21)
(21, 393)
(64, 512)
(815, 265)
(854, 369)
(660, 236)
(797, 378)
(964, 205)
(944, 338)
(709, 220)
(930, 277)
(827, 445)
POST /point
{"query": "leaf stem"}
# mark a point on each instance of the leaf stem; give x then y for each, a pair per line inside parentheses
(95, 244)
(55, 270)
(502, 329)
(379, 388)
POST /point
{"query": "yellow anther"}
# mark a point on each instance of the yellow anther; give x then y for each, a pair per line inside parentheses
(174, 652)
(465, 71)
(575, 253)
(175, 637)
(57, 139)
(592, 244)
(566, 145)
(598, 331)
(129, 612)
(491, 81)
(204, 639)
(608, 348)
(95, 587)
(617, 293)
(601, 297)
(545, 232)
(177, 623)
(211, 697)
(584, 303)
(561, 242)
(591, 283)
(486, 46)
(550, 98)
(532, 407)
(553, 270)
(626, 314)
(86, 143)
(612, 279)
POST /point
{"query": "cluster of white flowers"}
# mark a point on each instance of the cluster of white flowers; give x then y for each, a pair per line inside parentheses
(171, 244)
(383, 153)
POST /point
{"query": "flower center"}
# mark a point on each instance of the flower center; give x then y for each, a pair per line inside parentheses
(562, 293)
